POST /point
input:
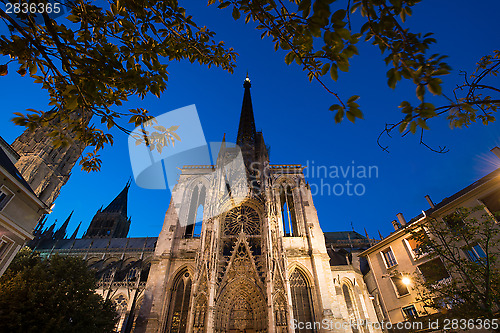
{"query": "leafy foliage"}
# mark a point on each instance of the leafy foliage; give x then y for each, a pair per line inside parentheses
(52, 295)
(472, 289)
(95, 58)
(321, 37)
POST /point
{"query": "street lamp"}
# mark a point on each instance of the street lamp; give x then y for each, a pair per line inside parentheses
(406, 281)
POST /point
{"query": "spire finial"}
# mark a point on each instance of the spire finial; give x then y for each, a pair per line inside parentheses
(247, 83)
(246, 129)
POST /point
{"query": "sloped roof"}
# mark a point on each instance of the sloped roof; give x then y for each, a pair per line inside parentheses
(342, 235)
(119, 204)
(7, 164)
(98, 244)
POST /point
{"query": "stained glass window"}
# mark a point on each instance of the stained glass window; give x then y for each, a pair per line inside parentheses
(242, 218)
(179, 304)
(301, 300)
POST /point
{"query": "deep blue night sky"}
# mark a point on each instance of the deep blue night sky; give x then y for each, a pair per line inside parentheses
(293, 115)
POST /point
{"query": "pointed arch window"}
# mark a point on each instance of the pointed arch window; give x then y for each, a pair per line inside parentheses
(195, 214)
(289, 217)
(301, 300)
(351, 310)
(179, 304)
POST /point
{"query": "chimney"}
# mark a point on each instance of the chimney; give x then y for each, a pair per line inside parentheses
(429, 200)
(396, 225)
(401, 219)
(496, 151)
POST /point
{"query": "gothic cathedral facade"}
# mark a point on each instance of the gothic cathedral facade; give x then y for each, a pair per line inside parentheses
(259, 262)
(241, 248)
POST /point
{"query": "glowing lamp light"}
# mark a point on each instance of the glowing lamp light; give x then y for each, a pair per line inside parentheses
(406, 281)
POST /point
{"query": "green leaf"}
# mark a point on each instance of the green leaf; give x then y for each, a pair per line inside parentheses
(357, 113)
(420, 91)
(340, 112)
(33, 68)
(289, 57)
(413, 127)
(335, 107)
(72, 103)
(333, 72)
(176, 136)
(224, 5)
(343, 66)
(325, 69)
(422, 123)
(73, 18)
(350, 116)
(338, 16)
(353, 99)
(344, 33)
(236, 13)
(434, 86)
(339, 116)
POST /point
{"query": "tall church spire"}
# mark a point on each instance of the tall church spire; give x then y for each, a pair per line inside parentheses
(61, 232)
(246, 131)
(111, 221)
(76, 231)
(119, 204)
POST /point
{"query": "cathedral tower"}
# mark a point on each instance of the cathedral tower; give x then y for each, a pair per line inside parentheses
(259, 263)
(45, 168)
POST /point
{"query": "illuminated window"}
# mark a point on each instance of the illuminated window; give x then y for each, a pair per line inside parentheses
(179, 304)
(416, 247)
(401, 288)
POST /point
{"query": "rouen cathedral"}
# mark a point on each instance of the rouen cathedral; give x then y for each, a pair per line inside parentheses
(244, 256)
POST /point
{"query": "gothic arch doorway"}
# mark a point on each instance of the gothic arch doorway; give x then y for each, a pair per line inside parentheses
(241, 308)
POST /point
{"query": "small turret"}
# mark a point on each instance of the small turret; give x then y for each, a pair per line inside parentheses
(61, 232)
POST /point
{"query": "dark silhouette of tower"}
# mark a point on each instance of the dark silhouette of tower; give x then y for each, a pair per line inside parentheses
(111, 221)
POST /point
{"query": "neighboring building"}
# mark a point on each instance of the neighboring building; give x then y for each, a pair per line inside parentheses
(20, 208)
(398, 254)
